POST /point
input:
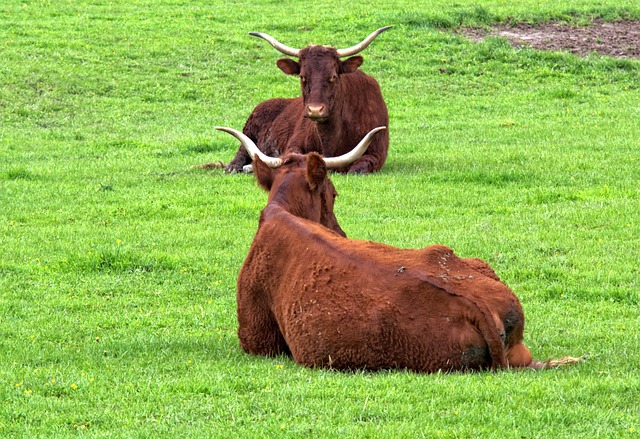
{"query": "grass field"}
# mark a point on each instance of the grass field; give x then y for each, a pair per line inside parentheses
(118, 257)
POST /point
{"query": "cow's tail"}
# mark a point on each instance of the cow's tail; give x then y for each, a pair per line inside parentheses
(483, 321)
(491, 336)
(551, 364)
(214, 165)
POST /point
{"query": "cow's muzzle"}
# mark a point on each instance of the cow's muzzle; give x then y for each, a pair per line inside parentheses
(317, 113)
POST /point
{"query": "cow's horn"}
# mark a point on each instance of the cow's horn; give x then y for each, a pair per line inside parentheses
(354, 154)
(251, 147)
(363, 45)
(277, 44)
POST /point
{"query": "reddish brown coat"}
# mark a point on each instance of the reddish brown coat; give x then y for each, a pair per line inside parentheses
(338, 107)
(330, 301)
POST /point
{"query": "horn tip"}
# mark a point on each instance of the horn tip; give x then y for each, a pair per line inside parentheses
(227, 130)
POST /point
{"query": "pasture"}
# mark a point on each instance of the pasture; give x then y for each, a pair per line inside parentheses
(118, 257)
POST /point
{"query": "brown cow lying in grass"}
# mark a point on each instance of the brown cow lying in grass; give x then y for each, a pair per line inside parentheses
(329, 301)
(338, 106)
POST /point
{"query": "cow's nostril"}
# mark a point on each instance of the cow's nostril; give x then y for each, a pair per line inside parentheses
(315, 110)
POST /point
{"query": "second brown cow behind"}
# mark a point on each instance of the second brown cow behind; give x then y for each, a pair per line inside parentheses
(338, 106)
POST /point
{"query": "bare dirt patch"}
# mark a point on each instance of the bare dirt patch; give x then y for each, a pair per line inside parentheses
(619, 39)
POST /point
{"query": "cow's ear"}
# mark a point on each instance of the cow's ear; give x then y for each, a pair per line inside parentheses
(264, 174)
(316, 170)
(350, 65)
(288, 66)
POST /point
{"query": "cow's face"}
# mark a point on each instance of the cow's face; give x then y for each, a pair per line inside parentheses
(302, 187)
(320, 69)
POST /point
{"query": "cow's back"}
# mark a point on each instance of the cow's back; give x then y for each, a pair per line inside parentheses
(346, 304)
(265, 125)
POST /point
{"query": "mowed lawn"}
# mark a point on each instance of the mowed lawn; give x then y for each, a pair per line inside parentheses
(118, 255)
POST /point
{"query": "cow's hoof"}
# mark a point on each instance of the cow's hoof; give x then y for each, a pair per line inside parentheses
(231, 169)
(359, 170)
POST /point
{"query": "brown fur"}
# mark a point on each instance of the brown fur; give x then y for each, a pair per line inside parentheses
(307, 291)
(350, 306)
(351, 102)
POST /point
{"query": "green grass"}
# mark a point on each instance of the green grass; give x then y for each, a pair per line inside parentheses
(118, 258)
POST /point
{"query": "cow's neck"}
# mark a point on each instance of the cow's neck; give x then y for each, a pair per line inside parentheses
(276, 213)
(281, 203)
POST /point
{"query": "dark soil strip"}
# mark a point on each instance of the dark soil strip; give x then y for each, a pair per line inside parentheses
(619, 39)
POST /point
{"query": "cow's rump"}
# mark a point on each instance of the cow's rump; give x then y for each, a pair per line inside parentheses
(353, 304)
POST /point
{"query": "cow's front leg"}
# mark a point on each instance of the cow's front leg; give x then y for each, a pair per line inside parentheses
(259, 333)
(373, 159)
(239, 161)
(364, 165)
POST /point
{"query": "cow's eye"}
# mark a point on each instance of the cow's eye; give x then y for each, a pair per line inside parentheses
(303, 79)
(333, 79)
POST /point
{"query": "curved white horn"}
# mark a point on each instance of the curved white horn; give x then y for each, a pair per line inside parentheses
(277, 44)
(354, 154)
(363, 45)
(251, 147)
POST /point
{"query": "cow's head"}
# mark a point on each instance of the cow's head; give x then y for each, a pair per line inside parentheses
(320, 69)
(299, 183)
(302, 187)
